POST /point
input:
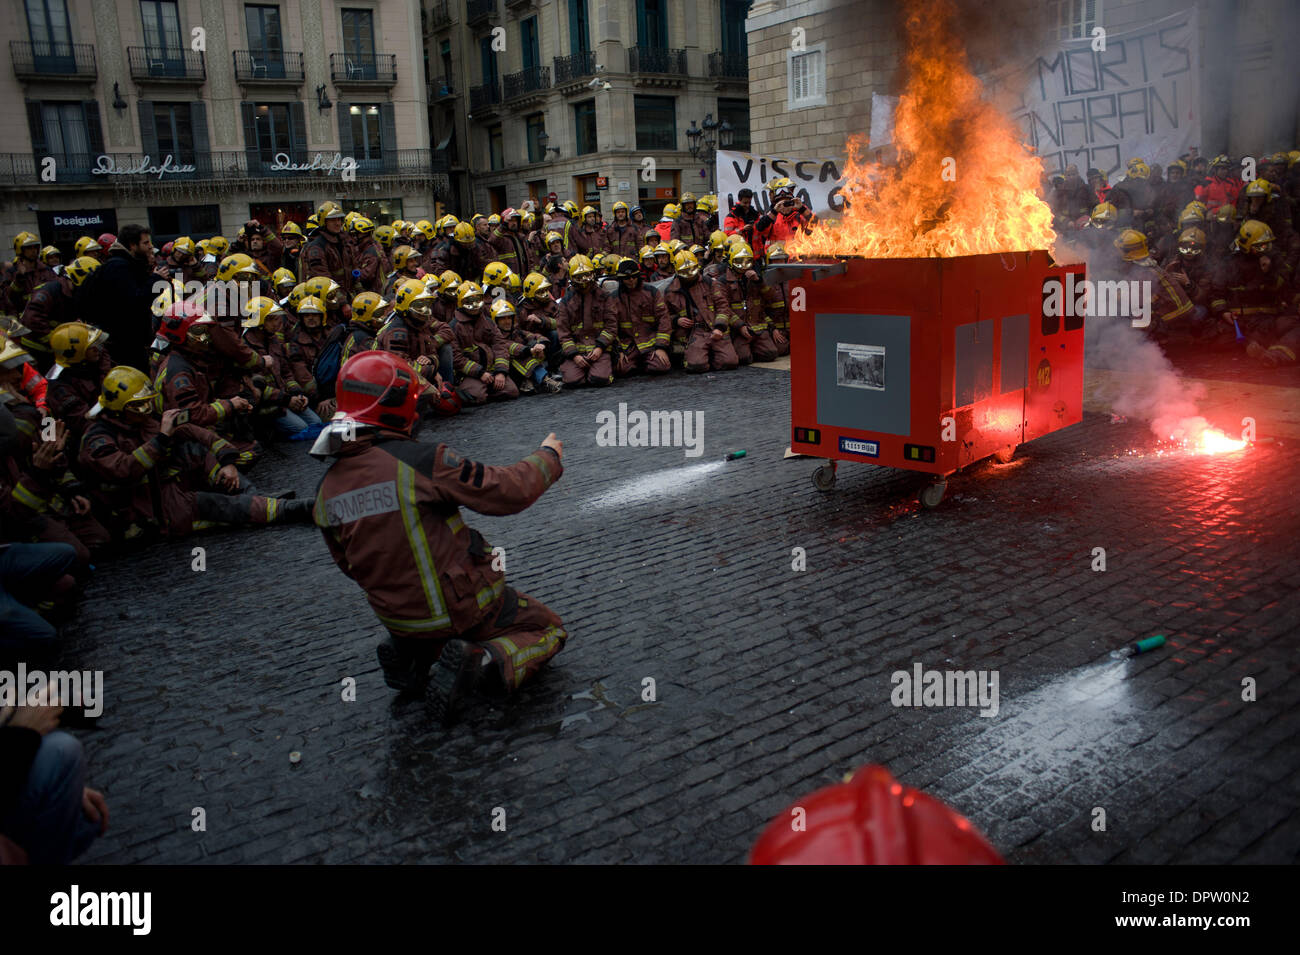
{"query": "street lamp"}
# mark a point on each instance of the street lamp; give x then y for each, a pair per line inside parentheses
(542, 140)
(705, 139)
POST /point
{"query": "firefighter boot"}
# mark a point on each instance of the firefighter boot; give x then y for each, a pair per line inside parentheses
(404, 669)
(294, 512)
(458, 671)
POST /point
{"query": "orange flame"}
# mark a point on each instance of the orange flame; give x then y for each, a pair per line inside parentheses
(943, 126)
(1214, 441)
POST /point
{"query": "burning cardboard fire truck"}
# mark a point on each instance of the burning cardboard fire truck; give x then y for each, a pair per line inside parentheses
(929, 364)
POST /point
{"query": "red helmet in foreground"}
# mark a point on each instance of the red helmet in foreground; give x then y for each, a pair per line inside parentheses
(871, 820)
(380, 389)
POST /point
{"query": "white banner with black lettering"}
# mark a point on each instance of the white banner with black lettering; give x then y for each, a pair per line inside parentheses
(817, 181)
(1097, 108)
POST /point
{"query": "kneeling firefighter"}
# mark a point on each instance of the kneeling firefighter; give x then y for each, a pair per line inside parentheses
(389, 509)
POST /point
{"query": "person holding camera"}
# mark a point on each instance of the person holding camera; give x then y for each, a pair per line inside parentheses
(785, 218)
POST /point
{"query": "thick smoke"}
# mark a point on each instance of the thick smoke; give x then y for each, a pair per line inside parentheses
(1141, 383)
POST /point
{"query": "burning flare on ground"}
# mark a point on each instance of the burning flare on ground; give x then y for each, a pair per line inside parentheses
(988, 201)
(1200, 439)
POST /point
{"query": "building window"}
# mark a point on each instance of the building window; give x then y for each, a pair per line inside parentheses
(1075, 19)
(265, 41)
(174, 128)
(378, 211)
(487, 61)
(359, 44)
(448, 144)
(652, 196)
(66, 133)
(169, 222)
(656, 122)
(162, 28)
(274, 130)
(533, 126)
(736, 112)
(496, 148)
(47, 25)
(528, 37)
(584, 124)
(806, 75)
(359, 33)
(579, 31)
(652, 24)
(734, 13)
(367, 134)
(444, 54)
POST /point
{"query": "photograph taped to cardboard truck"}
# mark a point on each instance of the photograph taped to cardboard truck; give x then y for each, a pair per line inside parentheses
(860, 366)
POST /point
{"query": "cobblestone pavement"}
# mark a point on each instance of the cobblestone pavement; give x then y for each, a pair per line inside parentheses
(769, 682)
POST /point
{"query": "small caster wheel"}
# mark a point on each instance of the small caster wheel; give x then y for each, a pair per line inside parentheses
(824, 477)
(932, 494)
(1005, 455)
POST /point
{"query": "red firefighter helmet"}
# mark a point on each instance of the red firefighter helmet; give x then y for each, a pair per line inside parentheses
(446, 402)
(177, 322)
(105, 240)
(872, 819)
(379, 388)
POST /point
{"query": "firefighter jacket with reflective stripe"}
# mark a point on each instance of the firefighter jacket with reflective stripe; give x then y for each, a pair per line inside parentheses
(1245, 288)
(625, 238)
(411, 341)
(184, 386)
(49, 307)
(692, 229)
(587, 319)
(591, 240)
(775, 305)
(147, 477)
(697, 301)
(643, 319)
(539, 316)
(389, 509)
(1168, 298)
(510, 248)
(742, 296)
(330, 256)
(302, 346)
(477, 345)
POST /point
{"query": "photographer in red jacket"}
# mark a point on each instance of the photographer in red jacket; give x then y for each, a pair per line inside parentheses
(787, 216)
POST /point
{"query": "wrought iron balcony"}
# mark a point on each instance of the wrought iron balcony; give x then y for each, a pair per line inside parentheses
(268, 66)
(574, 66)
(476, 10)
(174, 65)
(528, 81)
(651, 59)
(48, 61)
(154, 173)
(440, 88)
(365, 69)
(107, 169)
(728, 66)
(485, 97)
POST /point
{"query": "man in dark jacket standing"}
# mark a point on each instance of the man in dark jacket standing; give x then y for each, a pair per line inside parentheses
(120, 294)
